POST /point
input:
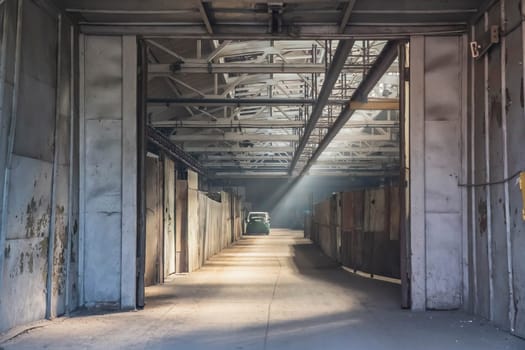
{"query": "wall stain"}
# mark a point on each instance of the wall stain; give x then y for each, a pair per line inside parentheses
(21, 263)
(482, 215)
(495, 108)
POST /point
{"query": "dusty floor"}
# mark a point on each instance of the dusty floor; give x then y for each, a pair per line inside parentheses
(276, 292)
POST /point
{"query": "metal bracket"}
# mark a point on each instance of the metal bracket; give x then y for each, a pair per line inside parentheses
(478, 49)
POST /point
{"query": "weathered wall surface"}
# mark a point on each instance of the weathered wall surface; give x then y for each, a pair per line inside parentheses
(181, 224)
(496, 134)
(108, 172)
(169, 217)
(437, 111)
(360, 229)
(37, 150)
(154, 221)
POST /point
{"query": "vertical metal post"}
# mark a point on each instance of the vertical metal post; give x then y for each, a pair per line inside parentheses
(510, 270)
(72, 139)
(473, 135)
(52, 221)
(487, 179)
(82, 167)
(464, 170)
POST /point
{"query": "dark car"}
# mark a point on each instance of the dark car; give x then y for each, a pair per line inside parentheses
(258, 222)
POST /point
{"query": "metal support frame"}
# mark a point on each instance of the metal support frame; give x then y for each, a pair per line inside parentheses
(381, 65)
(174, 151)
(237, 102)
(341, 54)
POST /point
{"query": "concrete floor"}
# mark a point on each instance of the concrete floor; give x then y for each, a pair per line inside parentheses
(270, 292)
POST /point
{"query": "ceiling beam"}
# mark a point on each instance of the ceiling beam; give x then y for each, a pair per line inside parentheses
(237, 149)
(237, 102)
(265, 124)
(205, 67)
(236, 137)
(205, 17)
(258, 31)
(346, 15)
(230, 124)
(344, 48)
(380, 66)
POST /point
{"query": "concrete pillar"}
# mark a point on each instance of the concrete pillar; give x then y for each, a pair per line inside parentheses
(108, 172)
(437, 115)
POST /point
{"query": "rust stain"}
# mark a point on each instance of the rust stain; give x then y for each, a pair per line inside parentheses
(36, 227)
(482, 217)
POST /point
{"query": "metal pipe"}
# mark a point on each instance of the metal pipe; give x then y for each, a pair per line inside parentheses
(237, 102)
(473, 180)
(52, 220)
(82, 167)
(343, 50)
(71, 187)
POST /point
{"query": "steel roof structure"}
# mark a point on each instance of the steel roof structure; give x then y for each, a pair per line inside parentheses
(263, 87)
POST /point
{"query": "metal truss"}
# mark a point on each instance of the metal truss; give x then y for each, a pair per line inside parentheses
(265, 106)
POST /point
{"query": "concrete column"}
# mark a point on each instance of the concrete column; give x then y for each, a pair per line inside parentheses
(108, 190)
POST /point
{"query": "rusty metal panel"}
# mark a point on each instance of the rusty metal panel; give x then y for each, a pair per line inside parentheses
(193, 229)
(394, 213)
(181, 233)
(169, 217)
(347, 204)
(154, 209)
(375, 215)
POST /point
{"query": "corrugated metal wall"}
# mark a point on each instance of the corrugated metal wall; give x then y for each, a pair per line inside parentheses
(365, 235)
(496, 150)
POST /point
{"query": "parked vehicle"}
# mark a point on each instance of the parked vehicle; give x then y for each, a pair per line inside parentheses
(258, 222)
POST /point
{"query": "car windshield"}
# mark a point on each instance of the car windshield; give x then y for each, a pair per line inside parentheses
(257, 216)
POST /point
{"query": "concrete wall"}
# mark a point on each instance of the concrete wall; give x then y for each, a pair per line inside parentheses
(496, 129)
(437, 115)
(108, 173)
(37, 152)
